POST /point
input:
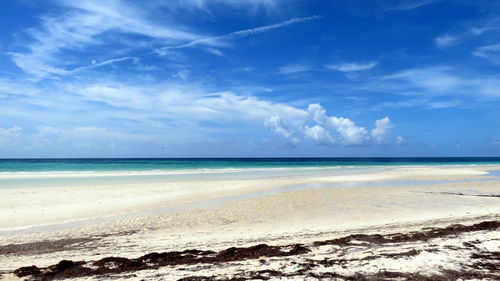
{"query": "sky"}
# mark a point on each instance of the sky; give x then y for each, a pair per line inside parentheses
(249, 78)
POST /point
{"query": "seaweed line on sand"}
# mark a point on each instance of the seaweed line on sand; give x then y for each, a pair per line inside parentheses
(487, 265)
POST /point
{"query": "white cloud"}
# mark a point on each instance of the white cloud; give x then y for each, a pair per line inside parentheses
(84, 23)
(229, 106)
(114, 95)
(435, 87)
(327, 130)
(185, 103)
(204, 4)
(191, 105)
(47, 130)
(382, 129)
(10, 132)
(470, 32)
(294, 68)
(275, 125)
(149, 109)
(126, 17)
(80, 26)
(481, 29)
(352, 66)
(430, 103)
(318, 134)
(182, 74)
(343, 130)
(489, 52)
(45, 135)
(446, 41)
(8, 135)
(216, 52)
(437, 81)
(89, 129)
(438, 104)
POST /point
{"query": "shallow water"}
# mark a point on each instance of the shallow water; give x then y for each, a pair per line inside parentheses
(493, 175)
(32, 180)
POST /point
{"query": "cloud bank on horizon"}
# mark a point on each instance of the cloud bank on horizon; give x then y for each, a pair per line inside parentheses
(229, 78)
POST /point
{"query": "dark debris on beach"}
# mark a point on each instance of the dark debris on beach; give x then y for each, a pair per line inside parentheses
(486, 265)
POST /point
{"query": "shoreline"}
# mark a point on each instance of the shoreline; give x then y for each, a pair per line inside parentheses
(172, 171)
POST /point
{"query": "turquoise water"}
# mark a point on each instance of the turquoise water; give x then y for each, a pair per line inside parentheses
(136, 164)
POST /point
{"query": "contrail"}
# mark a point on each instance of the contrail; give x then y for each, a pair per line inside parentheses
(240, 34)
(230, 36)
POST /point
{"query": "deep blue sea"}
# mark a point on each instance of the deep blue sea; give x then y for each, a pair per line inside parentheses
(148, 164)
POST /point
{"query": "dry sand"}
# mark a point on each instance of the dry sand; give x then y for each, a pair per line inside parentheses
(44, 225)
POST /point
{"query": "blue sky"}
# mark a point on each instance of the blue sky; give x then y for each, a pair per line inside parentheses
(249, 78)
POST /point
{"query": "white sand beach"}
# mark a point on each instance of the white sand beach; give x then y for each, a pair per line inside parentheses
(42, 225)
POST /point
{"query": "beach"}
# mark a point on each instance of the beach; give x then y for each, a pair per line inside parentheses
(315, 222)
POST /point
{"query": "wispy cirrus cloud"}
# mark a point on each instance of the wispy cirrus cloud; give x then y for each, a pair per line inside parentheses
(294, 68)
(427, 103)
(437, 82)
(87, 23)
(205, 4)
(446, 41)
(489, 52)
(211, 42)
(82, 24)
(464, 32)
(352, 66)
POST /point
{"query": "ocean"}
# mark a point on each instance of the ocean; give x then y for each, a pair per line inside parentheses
(176, 164)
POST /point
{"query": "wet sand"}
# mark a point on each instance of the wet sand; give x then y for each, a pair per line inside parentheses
(44, 225)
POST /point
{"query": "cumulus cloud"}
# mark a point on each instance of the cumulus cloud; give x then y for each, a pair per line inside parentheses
(322, 129)
(291, 123)
(344, 130)
(189, 104)
(149, 109)
(275, 125)
(382, 129)
(352, 66)
(318, 134)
